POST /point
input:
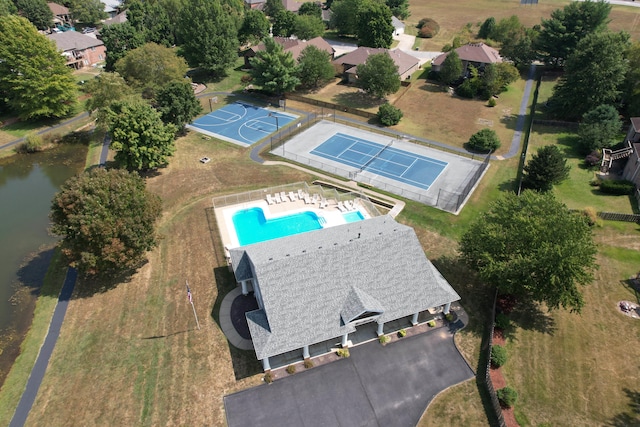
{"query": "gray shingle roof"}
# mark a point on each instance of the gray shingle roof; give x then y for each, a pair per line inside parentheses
(359, 56)
(72, 40)
(473, 52)
(307, 281)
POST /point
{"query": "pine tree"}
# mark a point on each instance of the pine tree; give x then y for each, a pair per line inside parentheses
(546, 168)
(274, 69)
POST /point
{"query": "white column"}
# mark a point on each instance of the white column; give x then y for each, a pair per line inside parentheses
(243, 283)
(380, 328)
(265, 364)
(447, 307)
(345, 339)
(414, 319)
(305, 352)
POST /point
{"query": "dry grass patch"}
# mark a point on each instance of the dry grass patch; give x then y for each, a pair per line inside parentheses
(458, 406)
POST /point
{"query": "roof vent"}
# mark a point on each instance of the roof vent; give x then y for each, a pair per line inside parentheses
(270, 259)
(287, 255)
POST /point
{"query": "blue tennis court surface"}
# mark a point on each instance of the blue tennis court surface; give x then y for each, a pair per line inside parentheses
(241, 123)
(400, 165)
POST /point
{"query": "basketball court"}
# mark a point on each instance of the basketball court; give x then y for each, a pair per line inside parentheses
(241, 123)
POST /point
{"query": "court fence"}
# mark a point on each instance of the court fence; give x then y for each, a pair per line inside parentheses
(331, 106)
(331, 194)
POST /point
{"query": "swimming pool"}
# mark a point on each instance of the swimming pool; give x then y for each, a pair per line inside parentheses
(251, 226)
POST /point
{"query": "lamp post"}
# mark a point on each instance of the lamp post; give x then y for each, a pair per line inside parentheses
(275, 116)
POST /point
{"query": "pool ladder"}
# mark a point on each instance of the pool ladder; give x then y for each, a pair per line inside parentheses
(322, 221)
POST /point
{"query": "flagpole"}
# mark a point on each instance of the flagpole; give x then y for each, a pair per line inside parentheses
(192, 306)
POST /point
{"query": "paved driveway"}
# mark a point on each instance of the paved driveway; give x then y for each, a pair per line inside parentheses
(377, 386)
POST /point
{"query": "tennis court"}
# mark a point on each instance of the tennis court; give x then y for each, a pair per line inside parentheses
(383, 160)
(241, 123)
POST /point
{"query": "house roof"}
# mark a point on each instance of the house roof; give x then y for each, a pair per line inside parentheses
(111, 5)
(359, 56)
(72, 40)
(120, 18)
(58, 9)
(291, 5)
(296, 46)
(635, 122)
(311, 283)
(473, 52)
(396, 22)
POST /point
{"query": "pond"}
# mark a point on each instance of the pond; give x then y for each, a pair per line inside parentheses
(28, 182)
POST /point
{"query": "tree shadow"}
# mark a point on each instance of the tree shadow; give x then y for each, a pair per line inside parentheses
(529, 316)
(88, 285)
(244, 362)
(632, 416)
(32, 273)
(358, 100)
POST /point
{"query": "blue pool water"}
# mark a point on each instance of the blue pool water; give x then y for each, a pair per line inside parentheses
(353, 216)
(252, 227)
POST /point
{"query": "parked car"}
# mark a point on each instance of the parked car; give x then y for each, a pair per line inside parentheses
(88, 30)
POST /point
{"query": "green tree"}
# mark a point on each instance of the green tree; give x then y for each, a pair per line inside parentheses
(631, 85)
(139, 138)
(389, 115)
(255, 26)
(315, 68)
(588, 83)
(178, 104)
(497, 77)
(487, 28)
(106, 219)
(451, 68)
(36, 11)
(560, 35)
(310, 8)
(150, 67)
(34, 78)
(505, 29)
(548, 167)
(87, 11)
(119, 39)
(152, 20)
(532, 246)
(345, 15)
(273, 69)
(208, 31)
(308, 27)
(600, 128)
(520, 48)
(379, 75)
(284, 23)
(399, 8)
(105, 89)
(485, 140)
(7, 8)
(374, 27)
(272, 7)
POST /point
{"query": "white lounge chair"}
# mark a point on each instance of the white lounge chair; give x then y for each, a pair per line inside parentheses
(341, 207)
(323, 203)
(270, 199)
(300, 194)
(293, 196)
(307, 199)
(283, 196)
(277, 197)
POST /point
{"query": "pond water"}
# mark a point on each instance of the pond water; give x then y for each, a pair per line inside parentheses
(27, 185)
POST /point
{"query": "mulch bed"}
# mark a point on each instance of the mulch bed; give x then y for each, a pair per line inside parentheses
(498, 381)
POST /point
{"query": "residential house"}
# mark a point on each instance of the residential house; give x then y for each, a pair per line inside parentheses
(476, 54)
(294, 46)
(120, 18)
(324, 284)
(349, 62)
(112, 7)
(79, 49)
(61, 14)
(398, 26)
(631, 168)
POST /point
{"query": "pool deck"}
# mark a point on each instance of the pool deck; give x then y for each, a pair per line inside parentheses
(331, 214)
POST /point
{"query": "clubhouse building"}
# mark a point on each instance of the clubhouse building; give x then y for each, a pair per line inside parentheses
(322, 285)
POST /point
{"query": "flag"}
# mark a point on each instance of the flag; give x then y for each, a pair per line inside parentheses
(189, 294)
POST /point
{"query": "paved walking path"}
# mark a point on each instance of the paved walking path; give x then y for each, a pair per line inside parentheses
(42, 361)
(514, 149)
(45, 130)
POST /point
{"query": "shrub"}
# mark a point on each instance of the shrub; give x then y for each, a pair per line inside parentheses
(268, 378)
(467, 89)
(389, 115)
(502, 321)
(428, 28)
(402, 333)
(498, 356)
(507, 396)
(492, 102)
(506, 303)
(246, 78)
(485, 140)
(591, 215)
(431, 323)
(383, 339)
(592, 159)
(617, 187)
(308, 363)
(33, 143)
(343, 352)
(291, 369)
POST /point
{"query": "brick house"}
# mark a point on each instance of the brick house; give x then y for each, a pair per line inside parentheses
(79, 49)
(294, 46)
(406, 63)
(476, 54)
